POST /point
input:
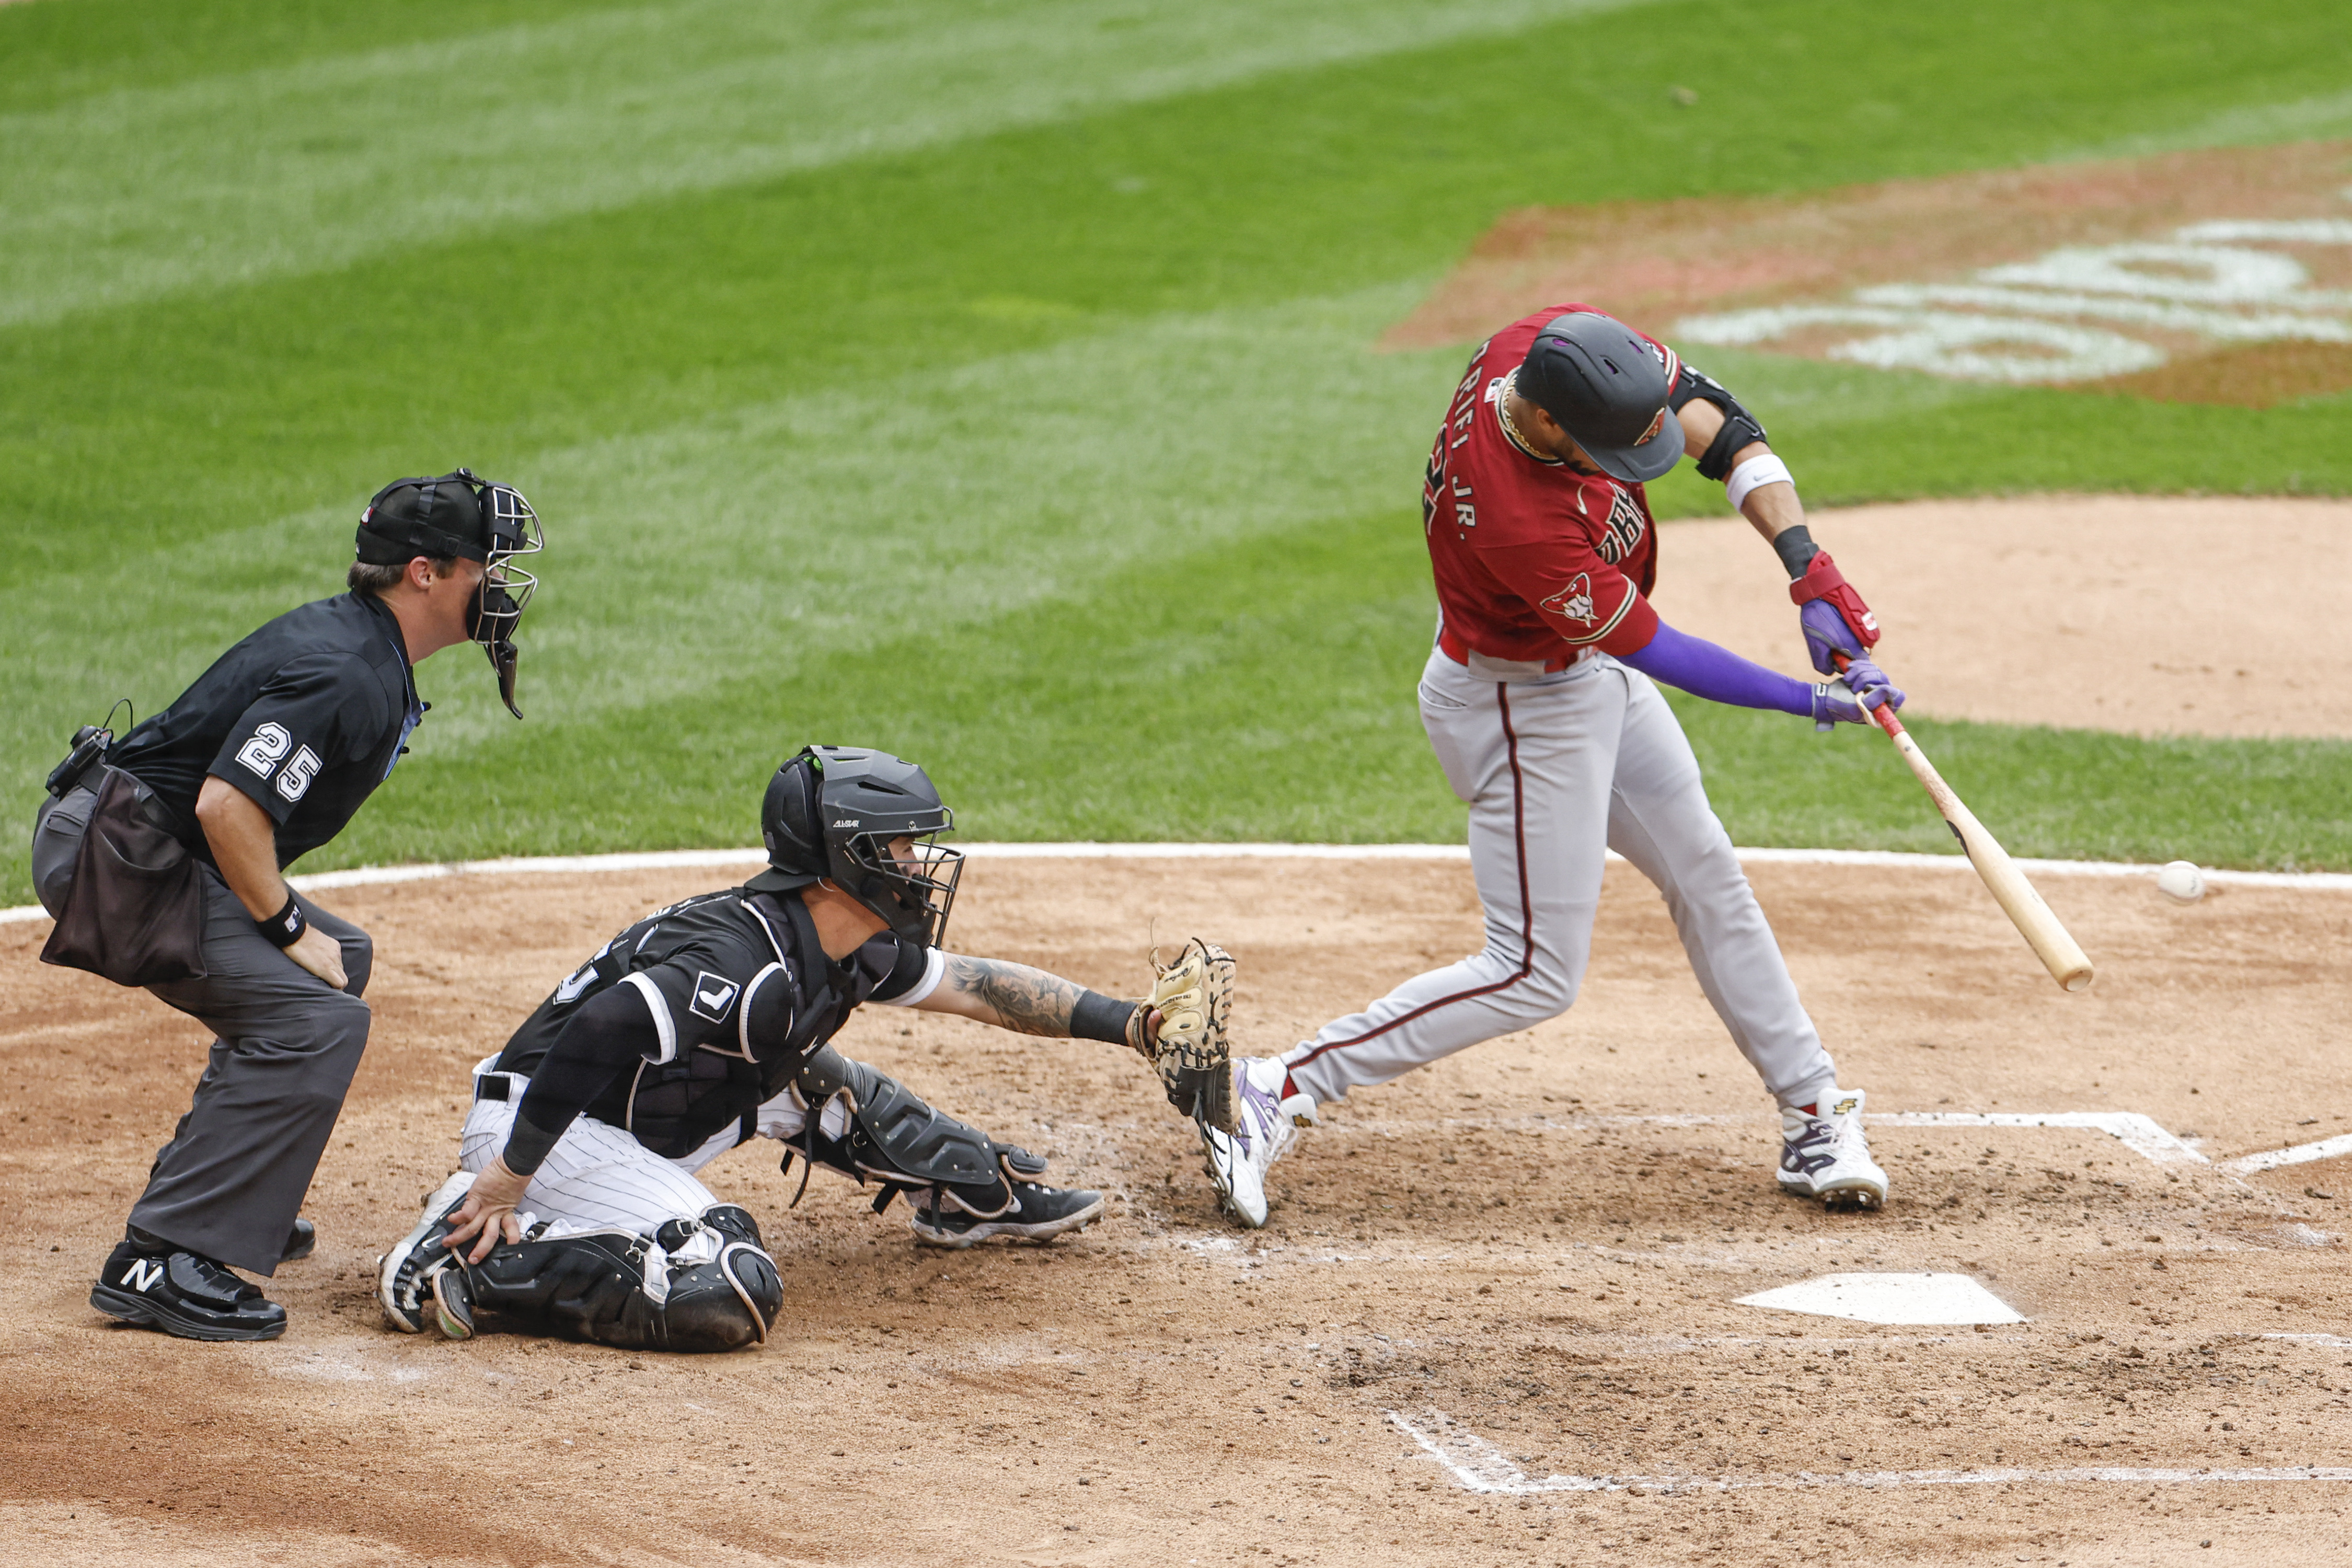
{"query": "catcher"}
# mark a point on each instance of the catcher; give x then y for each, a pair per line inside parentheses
(576, 1209)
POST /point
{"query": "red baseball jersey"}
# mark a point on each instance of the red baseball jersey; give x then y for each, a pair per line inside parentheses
(1533, 559)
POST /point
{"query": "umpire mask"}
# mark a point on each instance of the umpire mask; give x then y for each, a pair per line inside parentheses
(461, 514)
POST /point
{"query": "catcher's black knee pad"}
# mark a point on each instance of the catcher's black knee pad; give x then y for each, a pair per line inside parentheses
(723, 1305)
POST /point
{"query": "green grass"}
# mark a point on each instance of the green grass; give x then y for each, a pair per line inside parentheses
(1165, 707)
(881, 371)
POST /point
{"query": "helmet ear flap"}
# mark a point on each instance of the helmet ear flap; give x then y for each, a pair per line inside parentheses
(789, 821)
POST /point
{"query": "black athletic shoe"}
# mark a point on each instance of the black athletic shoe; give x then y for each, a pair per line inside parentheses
(185, 1294)
(300, 1242)
(1039, 1212)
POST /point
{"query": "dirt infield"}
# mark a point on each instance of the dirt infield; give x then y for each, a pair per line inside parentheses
(2068, 611)
(1526, 1260)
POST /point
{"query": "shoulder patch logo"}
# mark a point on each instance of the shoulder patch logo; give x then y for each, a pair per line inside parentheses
(713, 997)
(1573, 603)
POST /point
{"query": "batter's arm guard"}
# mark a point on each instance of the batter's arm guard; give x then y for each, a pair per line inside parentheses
(1741, 428)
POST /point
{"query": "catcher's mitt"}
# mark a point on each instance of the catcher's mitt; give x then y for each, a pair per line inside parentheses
(1193, 996)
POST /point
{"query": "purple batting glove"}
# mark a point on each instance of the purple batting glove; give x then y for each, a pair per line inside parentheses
(1827, 635)
(1849, 698)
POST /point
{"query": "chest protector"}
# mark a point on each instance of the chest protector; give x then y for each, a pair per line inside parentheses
(789, 1011)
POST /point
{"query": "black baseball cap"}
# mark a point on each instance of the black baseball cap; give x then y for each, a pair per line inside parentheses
(1607, 385)
(441, 518)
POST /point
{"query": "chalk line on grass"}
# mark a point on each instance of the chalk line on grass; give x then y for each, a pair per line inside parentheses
(1477, 1466)
(659, 860)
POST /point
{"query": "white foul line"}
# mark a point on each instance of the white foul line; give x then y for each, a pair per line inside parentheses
(1477, 1466)
(577, 865)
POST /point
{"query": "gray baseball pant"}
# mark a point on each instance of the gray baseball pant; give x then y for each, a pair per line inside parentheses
(1556, 769)
(230, 1183)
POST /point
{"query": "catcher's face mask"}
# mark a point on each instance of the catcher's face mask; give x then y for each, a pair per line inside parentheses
(908, 880)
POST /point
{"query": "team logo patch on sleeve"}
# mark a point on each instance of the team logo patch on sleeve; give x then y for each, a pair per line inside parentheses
(713, 997)
(1573, 603)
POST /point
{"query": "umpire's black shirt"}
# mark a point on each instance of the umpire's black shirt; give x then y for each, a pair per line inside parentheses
(306, 716)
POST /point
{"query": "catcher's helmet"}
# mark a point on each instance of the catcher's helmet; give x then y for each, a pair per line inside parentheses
(832, 812)
(1607, 385)
(460, 514)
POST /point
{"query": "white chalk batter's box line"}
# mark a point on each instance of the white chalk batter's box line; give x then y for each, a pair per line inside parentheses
(673, 860)
(1477, 1466)
(2143, 1135)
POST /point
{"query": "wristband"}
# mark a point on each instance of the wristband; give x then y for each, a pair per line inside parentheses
(1796, 548)
(1094, 1016)
(285, 927)
(1753, 474)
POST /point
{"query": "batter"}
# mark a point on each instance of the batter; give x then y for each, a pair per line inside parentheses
(1538, 699)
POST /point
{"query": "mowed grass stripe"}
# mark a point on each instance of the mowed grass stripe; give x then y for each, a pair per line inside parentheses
(1263, 688)
(754, 543)
(725, 394)
(234, 177)
(129, 428)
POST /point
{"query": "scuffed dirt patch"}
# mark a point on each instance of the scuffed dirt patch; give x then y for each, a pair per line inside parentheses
(1491, 1239)
(2083, 612)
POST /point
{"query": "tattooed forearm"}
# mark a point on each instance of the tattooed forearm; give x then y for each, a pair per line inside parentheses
(1025, 1000)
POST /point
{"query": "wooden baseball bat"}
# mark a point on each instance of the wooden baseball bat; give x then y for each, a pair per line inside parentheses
(2049, 940)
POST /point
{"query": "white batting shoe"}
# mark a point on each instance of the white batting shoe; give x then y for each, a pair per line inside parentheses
(1266, 1124)
(1825, 1155)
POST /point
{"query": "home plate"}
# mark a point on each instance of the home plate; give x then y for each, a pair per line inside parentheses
(1890, 1299)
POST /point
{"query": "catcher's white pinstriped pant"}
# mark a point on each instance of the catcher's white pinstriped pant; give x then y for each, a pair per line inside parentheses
(1555, 767)
(599, 1177)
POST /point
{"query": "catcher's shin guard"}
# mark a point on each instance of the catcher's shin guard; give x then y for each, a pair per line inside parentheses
(697, 1286)
(893, 1137)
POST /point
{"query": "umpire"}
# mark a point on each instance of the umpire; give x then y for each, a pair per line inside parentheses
(162, 859)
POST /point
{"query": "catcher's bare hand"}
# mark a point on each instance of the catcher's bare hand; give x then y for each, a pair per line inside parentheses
(488, 1211)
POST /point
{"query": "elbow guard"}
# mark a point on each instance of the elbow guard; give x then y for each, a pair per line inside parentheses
(1739, 427)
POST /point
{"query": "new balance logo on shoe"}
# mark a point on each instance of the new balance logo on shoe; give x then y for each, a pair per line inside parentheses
(146, 1274)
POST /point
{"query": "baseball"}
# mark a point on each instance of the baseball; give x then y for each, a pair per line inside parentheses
(2181, 881)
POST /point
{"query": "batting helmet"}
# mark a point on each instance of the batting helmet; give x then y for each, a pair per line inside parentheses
(1607, 386)
(834, 812)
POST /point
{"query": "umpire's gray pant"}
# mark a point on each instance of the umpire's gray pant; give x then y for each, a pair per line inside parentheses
(231, 1182)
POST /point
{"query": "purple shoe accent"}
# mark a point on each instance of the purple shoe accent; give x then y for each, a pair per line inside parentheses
(1253, 1098)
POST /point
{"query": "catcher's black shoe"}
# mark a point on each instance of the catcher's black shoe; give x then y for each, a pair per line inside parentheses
(1037, 1213)
(300, 1242)
(405, 1283)
(184, 1293)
